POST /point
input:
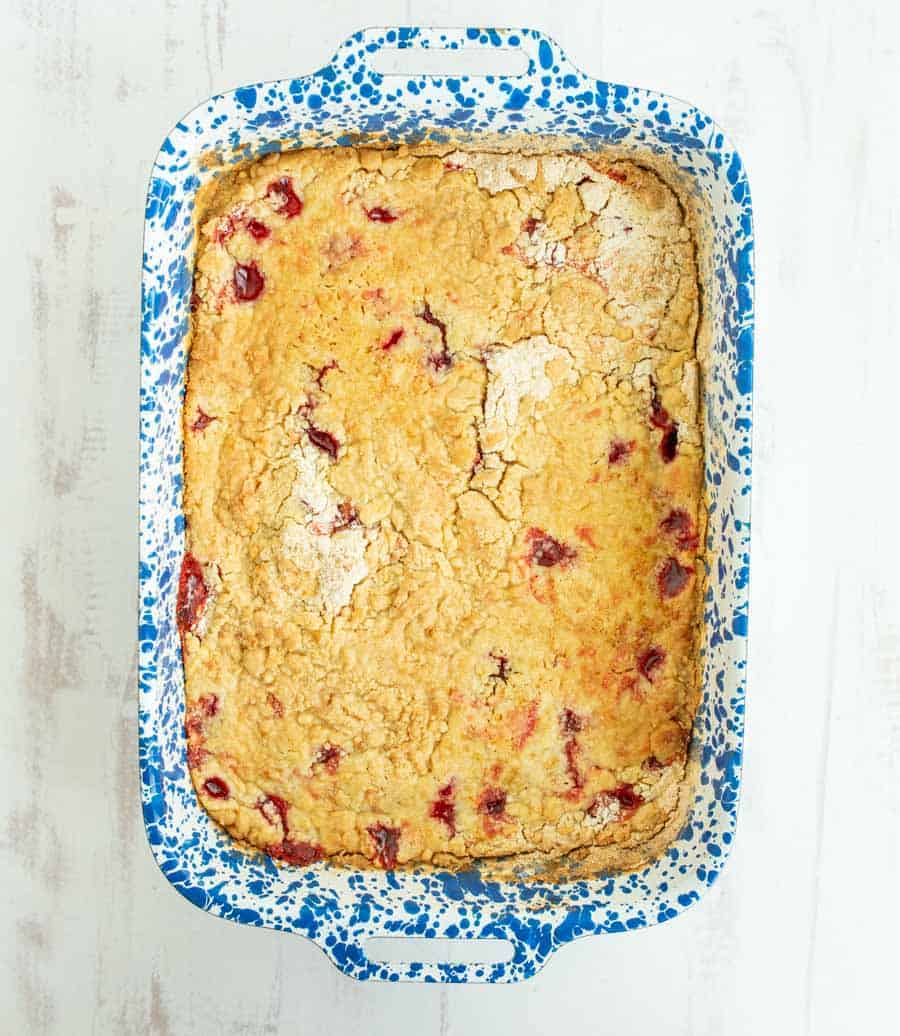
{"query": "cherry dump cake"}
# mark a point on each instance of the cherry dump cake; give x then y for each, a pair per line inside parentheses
(443, 480)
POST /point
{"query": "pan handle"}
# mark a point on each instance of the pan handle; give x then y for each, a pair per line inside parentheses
(365, 52)
(505, 950)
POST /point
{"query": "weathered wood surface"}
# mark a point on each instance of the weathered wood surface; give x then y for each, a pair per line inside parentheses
(799, 935)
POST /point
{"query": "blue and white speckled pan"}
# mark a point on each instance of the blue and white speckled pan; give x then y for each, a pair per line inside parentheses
(340, 909)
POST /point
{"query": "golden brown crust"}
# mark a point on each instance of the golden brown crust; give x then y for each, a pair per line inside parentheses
(443, 468)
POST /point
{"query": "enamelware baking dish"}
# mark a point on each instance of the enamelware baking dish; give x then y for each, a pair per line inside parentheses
(345, 102)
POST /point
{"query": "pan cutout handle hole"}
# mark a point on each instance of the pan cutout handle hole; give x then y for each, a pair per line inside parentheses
(466, 61)
(390, 949)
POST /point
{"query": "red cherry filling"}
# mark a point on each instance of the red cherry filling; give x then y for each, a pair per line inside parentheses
(216, 788)
(202, 421)
(624, 794)
(492, 802)
(275, 810)
(257, 230)
(652, 763)
(678, 523)
(274, 703)
(628, 798)
(614, 174)
(546, 551)
(659, 418)
(192, 594)
(224, 230)
(572, 752)
(571, 722)
(673, 577)
(209, 703)
(281, 192)
(325, 441)
(387, 843)
(651, 660)
(502, 667)
(619, 451)
(668, 444)
(392, 339)
(381, 215)
(330, 757)
(248, 282)
(442, 360)
(206, 707)
(196, 754)
(444, 808)
(347, 517)
(300, 854)
(530, 225)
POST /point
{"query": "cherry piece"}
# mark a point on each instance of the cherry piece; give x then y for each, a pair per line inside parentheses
(546, 551)
(392, 339)
(530, 225)
(324, 440)
(571, 722)
(651, 660)
(440, 361)
(628, 798)
(330, 757)
(202, 421)
(492, 802)
(614, 174)
(624, 794)
(282, 193)
(275, 810)
(224, 230)
(619, 451)
(216, 788)
(248, 282)
(668, 444)
(673, 577)
(678, 523)
(652, 763)
(387, 842)
(301, 854)
(196, 755)
(380, 215)
(444, 808)
(209, 703)
(192, 594)
(347, 517)
(659, 416)
(257, 230)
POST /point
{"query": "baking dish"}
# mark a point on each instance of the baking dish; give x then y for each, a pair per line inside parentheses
(345, 102)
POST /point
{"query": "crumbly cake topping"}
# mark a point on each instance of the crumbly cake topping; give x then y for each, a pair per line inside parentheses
(443, 473)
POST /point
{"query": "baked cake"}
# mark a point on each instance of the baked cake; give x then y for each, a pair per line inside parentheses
(443, 476)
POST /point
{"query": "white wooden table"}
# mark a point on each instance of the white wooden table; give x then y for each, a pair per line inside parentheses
(799, 936)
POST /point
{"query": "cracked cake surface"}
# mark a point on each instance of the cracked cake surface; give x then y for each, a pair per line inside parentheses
(443, 483)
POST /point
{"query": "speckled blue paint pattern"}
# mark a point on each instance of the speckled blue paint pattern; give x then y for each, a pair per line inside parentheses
(337, 908)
